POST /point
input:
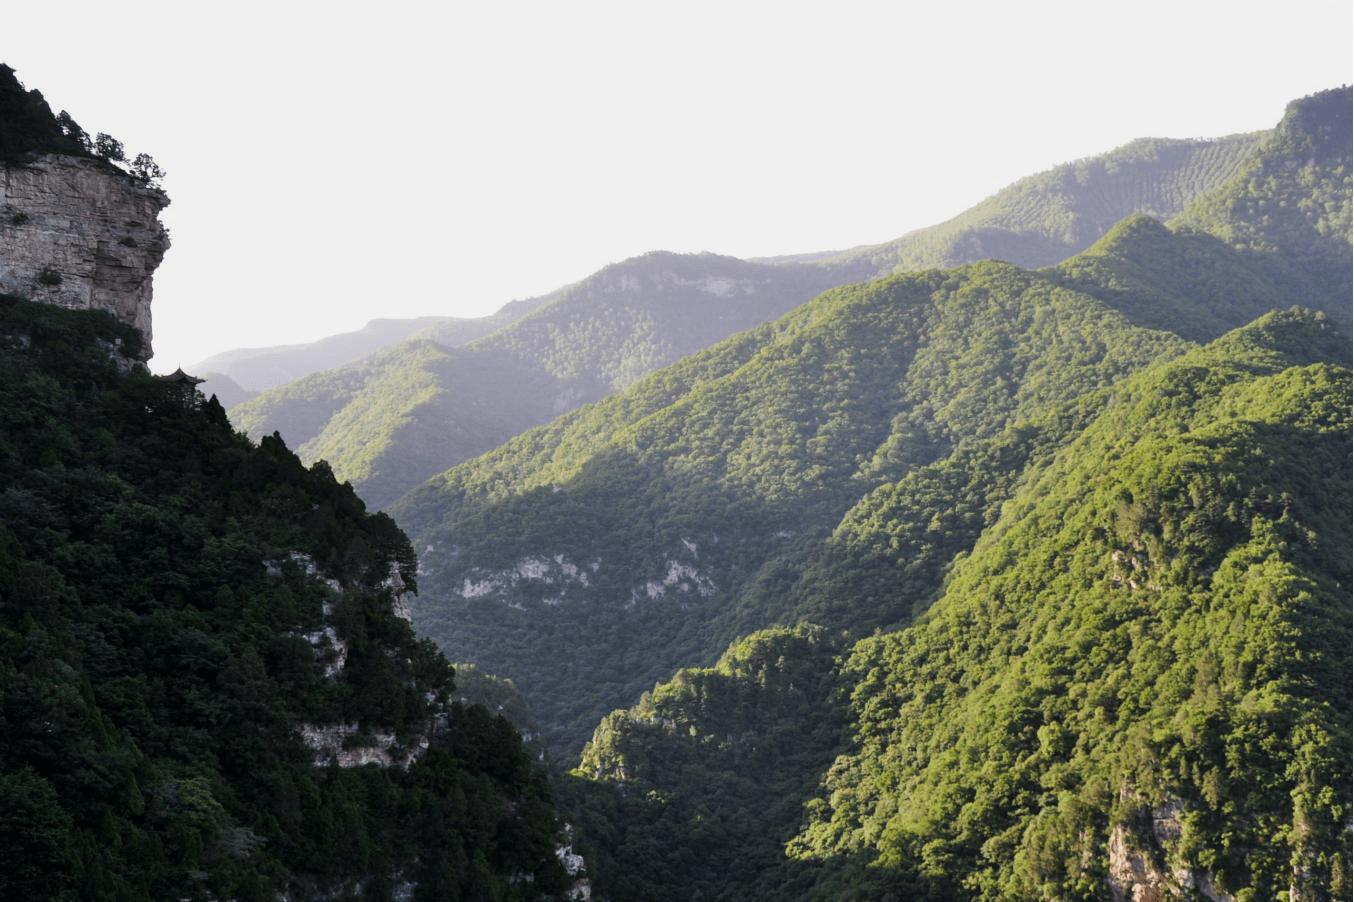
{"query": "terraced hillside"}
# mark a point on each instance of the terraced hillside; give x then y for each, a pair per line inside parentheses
(1046, 218)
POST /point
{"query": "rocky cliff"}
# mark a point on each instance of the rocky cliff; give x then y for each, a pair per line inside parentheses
(78, 233)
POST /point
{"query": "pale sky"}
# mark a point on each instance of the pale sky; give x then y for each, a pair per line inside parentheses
(330, 163)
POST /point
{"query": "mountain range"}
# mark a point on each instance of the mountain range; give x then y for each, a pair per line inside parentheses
(894, 573)
(448, 392)
(1046, 569)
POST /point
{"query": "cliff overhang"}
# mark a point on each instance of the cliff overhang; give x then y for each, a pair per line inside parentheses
(79, 233)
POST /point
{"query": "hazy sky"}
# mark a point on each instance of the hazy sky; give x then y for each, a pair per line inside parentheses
(330, 163)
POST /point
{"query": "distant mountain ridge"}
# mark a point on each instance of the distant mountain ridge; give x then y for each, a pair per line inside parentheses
(258, 369)
(731, 467)
(407, 412)
(587, 340)
(1046, 218)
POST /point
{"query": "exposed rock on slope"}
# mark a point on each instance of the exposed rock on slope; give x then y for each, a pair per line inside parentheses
(77, 233)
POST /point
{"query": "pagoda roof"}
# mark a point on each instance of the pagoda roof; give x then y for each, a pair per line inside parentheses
(180, 376)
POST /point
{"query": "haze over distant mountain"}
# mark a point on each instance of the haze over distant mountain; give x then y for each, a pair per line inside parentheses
(258, 369)
(1099, 514)
(387, 422)
(1046, 218)
(409, 411)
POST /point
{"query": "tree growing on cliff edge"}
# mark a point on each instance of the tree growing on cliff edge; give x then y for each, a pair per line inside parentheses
(106, 147)
(146, 171)
(28, 127)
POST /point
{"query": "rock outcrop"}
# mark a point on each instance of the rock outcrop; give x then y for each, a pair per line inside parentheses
(79, 233)
(1144, 868)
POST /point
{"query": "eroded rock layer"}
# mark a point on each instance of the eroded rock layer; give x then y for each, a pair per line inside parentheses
(78, 233)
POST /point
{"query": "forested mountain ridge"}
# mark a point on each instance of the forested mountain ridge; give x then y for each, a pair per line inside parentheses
(594, 337)
(590, 339)
(844, 465)
(1288, 211)
(654, 527)
(1136, 682)
(1039, 220)
(1046, 218)
(1148, 653)
(259, 369)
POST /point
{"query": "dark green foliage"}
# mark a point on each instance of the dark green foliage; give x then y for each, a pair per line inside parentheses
(827, 466)
(1127, 554)
(1288, 212)
(696, 789)
(28, 128)
(165, 587)
(35, 839)
(500, 696)
(27, 125)
(1190, 282)
(1145, 655)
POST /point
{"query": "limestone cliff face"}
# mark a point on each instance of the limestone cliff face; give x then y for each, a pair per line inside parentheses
(78, 233)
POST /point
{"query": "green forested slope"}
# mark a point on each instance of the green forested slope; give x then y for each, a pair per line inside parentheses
(1138, 677)
(1289, 210)
(697, 788)
(853, 464)
(260, 369)
(593, 556)
(1146, 656)
(183, 616)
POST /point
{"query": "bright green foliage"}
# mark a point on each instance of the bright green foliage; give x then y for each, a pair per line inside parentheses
(703, 488)
(827, 466)
(886, 560)
(1043, 466)
(629, 319)
(386, 430)
(163, 587)
(1157, 627)
(1144, 655)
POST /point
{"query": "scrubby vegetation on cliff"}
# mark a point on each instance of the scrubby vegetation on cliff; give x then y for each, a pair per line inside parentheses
(28, 127)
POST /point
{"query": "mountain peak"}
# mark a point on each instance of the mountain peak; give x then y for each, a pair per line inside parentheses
(1321, 120)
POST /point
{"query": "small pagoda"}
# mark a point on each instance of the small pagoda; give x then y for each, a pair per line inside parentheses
(185, 385)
